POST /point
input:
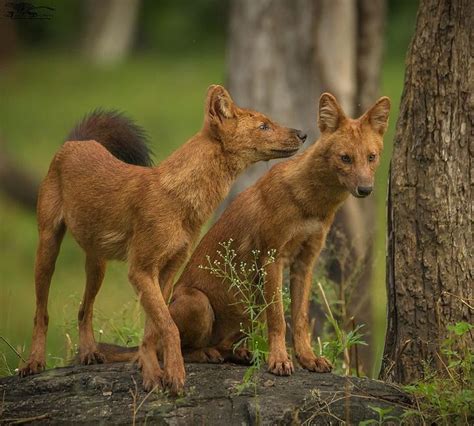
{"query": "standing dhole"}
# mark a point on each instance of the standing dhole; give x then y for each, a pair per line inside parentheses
(149, 216)
(290, 209)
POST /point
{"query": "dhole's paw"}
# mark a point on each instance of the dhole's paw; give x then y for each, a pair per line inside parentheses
(173, 379)
(33, 366)
(242, 356)
(318, 364)
(204, 356)
(280, 366)
(213, 356)
(151, 372)
(152, 377)
(93, 357)
(151, 380)
(174, 383)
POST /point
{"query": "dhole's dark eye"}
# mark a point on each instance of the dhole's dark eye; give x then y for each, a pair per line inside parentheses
(371, 157)
(264, 126)
(346, 159)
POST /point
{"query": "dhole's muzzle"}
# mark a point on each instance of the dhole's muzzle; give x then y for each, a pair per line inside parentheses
(294, 143)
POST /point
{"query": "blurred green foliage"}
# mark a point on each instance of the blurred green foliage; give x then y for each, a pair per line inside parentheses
(48, 86)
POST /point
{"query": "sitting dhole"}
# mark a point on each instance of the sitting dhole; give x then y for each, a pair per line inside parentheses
(290, 209)
(148, 216)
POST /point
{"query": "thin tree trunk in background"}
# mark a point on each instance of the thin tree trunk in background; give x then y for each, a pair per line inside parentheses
(282, 55)
(430, 271)
(270, 64)
(370, 41)
(110, 29)
(8, 41)
(357, 219)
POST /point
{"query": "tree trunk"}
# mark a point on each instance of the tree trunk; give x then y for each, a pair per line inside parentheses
(110, 29)
(112, 394)
(430, 267)
(270, 66)
(282, 55)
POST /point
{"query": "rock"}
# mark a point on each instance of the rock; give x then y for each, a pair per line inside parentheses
(112, 394)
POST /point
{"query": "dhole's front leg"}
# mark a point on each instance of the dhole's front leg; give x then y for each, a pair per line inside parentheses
(301, 274)
(168, 273)
(159, 324)
(279, 362)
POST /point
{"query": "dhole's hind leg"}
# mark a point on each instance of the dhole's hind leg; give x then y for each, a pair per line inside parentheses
(95, 271)
(193, 314)
(194, 317)
(48, 248)
(51, 229)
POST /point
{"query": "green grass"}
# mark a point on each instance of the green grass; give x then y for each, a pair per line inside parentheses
(42, 96)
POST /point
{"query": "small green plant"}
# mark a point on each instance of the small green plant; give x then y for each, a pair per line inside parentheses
(447, 397)
(125, 328)
(5, 368)
(337, 349)
(384, 417)
(341, 335)
(247, 281)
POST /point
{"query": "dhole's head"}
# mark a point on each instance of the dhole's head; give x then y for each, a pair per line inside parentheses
(352, 147)
(248, 134)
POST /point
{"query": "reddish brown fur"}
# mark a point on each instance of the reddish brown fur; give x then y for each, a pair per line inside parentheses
(289, 209)
(148, 216)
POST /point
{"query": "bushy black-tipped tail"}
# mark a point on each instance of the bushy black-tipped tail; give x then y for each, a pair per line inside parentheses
(123, 138)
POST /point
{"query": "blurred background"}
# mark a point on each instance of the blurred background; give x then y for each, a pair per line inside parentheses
(154, 59)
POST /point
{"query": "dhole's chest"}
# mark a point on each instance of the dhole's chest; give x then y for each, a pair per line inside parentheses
(307, 227)
(300, 232)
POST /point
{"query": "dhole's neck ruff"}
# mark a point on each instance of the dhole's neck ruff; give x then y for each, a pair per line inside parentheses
(199, 174)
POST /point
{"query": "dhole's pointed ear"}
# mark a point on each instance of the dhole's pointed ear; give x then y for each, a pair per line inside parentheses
(219, 104)
(330, 114)
(377, 116)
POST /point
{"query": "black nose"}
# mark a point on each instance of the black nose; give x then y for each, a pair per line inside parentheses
(363, 191)
(301, 135)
